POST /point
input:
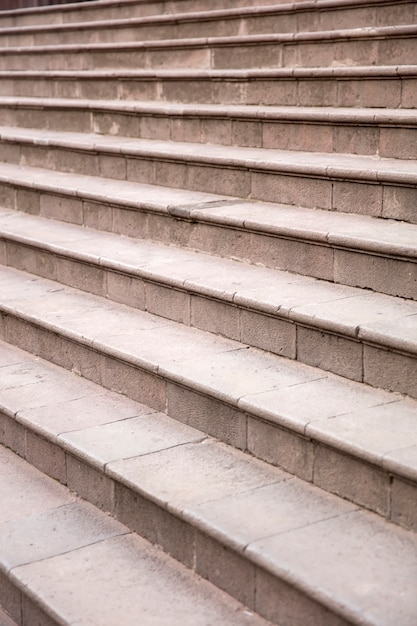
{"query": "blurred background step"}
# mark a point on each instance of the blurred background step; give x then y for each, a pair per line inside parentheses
(135, 21)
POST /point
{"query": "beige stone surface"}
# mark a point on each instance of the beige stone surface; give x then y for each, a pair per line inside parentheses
(25, 491)
(149, 584)
(126, 438)
(268, 510)
(370, 586)
(193, 473)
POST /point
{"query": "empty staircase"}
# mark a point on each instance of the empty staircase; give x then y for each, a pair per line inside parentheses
(208, 313)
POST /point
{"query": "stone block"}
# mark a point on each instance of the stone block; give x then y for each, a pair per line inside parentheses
(65, 209)
(33, 614)
(81, 275)
(247, 133)
(282, 92)
(399, 143)
(32, 260)
(404, 503)
(218, 131)
(185, 129)
(383, 274)
(112, 166)
(140, 170)
(27, 201)
(390, 370)
(371, 92)
(302, 191)
(284, 604)
(11, 599)
(153, 127)
(97, 215)
(330, 352)
(46, 456)
(7, 196)
(134, 382)
(357, 140)
(90, 484)
(168, 302)
(352, 479)
(316, 92)
(268, 333)
(409, 92)
(126, 290)
(281, 447)
(225, 568)
(206, 414)
(297, 136)
(12, 434)
(214, 316)
(293, 255)
(399, 203)
(362, 198)
(155, 523)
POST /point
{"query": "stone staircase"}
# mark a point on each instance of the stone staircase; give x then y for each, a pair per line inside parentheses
(208, 316)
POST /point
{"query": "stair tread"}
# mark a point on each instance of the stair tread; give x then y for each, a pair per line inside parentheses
(323, 114)
(203, 362)
(64, 547)
(347, 310)
(357, 167)
(246, 504)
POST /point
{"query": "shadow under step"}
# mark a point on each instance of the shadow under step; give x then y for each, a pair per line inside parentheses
(62, 561)
(383, 132)
(247, 527)
(370, 86)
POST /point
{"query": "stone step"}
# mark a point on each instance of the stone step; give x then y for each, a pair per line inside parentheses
(240, 523)
(130, 21)
(354, 86)
(383, 132)
(62, 561)
(340, 329)
(346, 249)
(393, 45)
(337, 182)
(291, 415)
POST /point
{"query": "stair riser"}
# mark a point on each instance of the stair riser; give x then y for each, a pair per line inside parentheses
(373, 139)
(372, 486)
(390, 51)
(227, 568)
(391, 92)
(274, 21)
(330, 193)
(340, 265)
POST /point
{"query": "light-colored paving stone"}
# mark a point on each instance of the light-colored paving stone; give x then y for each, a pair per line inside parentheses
(25, 492)
(336, 538)
(62, 556)
(126, 438)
